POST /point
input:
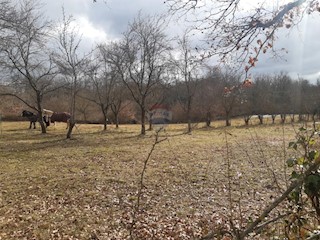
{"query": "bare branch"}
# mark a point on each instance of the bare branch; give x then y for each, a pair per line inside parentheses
(278, 17)
(231, 29)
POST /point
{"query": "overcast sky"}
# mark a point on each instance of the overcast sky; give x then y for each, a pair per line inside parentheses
(107, 19)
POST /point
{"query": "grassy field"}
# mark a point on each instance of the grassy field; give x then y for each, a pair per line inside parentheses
(88, 187)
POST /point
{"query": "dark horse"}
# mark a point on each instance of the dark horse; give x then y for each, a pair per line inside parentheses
(60, 117)
(33, 118)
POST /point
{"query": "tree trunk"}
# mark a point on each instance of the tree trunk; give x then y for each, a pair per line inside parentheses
(188, 115)
(116, 120)
(72, 121)
(150, 121)
(71, 125)
(189, 126)
(246, 120)
(115, 110)
(43, 126)
(301, 117)
(208, 119)
(260, 118)
(104, 111)
(105, 122)
(143, 124)
(39, 105)
(228, 122)
(292, 117)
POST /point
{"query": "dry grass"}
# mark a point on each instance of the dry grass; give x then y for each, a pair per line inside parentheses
(85, 188)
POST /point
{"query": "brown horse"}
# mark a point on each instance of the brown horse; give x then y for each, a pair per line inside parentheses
(61, 117)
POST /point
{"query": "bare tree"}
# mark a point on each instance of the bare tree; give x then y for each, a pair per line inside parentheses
(69, 61)
(25, 55)
(102, 79)
(186, 68)
(208, 95)
(113, 54)
(117, 102)
(230, 94)
(141, 60)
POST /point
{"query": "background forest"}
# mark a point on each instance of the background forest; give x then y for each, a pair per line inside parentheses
(268, 95)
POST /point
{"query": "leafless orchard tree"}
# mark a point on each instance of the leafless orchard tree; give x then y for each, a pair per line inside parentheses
(119, 95)
(25, 55)
(235, 27)
(232, 92)
(114, 55)
(186, 67)
(117, 91)
(102, 79)
(208, 95)
(70, 62)
(141, 59)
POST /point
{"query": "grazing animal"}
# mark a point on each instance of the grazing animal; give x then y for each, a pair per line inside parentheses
(33, 118)
(61, 117)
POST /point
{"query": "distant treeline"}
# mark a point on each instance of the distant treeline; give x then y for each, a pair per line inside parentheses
(268, 95)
